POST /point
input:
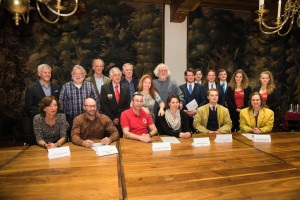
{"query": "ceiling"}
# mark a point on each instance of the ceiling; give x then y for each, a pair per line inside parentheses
(181, 8)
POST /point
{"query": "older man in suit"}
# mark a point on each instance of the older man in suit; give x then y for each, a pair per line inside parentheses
(115, 98)
(36, 91)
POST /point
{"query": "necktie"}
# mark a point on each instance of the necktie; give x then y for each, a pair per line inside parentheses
(223, 85)
(117, 94)
(190, 89)
(214, 109)
(212, 86)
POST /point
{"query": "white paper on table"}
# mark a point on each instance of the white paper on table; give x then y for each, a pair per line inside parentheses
(192, 105)
(261, 138)
(106, 150)
(199, 142)
(220, 138)
(248, 135)
(59, 152)
(96, 145)
(171, 140)
(161, 146)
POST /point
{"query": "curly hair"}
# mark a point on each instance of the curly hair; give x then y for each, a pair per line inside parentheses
(152, 89)
(270, 85)
(245, 81)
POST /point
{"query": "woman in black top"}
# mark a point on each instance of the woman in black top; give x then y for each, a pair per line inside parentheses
(237, 97)
(174, 122)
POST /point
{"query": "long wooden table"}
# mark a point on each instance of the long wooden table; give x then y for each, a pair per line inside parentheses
(238, 170)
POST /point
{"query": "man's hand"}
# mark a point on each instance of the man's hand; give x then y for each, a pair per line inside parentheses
(256, 130)
(116, 121)
(145, 138)
(87, 143)
(106, 141)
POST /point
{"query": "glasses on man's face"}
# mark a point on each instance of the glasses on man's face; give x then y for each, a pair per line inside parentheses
(90, 106)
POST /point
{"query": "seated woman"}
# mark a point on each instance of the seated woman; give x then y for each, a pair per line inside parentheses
(237, 97)
(256, 118)
(269, 93)
(49, 126)
(150, 96)
(175, 121)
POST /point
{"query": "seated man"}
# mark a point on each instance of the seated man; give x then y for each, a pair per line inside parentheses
(92, 125)
(135, 121)
(212, 117)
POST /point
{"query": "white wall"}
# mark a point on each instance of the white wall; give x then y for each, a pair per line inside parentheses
(175, 47)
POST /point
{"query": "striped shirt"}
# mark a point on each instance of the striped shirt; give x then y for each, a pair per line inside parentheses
(72, 98)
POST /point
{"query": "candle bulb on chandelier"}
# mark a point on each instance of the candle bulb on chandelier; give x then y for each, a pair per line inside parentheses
(279, 9)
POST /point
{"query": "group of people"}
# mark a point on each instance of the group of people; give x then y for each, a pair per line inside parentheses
(106, 108)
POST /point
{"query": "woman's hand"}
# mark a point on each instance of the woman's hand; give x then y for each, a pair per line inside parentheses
(146, 110)
(185, 135)
(161, 112)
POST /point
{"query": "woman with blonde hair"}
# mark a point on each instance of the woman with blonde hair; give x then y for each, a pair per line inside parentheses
(237, 96)
(150, 96)
(269, 93)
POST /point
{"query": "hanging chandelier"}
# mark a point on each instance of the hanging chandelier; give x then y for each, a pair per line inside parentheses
(21, 8)
(284, 21)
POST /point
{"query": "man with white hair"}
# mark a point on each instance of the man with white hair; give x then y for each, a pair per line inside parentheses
(166, 86)
(36, 91)
(74, 93)
(115, 98)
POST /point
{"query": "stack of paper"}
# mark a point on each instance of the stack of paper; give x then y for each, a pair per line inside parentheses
(59, 152)
(161, 146)
(222, 138)
(105, 150)
(199, 142)
(172, 140)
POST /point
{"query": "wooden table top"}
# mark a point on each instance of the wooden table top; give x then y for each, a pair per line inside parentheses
(238, 170)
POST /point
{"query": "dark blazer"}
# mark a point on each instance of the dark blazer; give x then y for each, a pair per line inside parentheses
(164, 129)
(196, 94)
(33, 95)
(221, 100)
(135, 82)
(108, 100)
(273, 99)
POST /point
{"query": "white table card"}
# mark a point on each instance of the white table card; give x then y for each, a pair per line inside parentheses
(161, 146)
(172, 140)
(199, 142)
(59, 152)
(106, 150)
(222, 138)
(261, 138)
(248, 135)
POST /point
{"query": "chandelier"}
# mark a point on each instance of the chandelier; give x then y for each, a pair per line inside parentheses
(284, 21)
(21, 8)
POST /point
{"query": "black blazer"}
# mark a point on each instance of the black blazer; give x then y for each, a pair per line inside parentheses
(273, 99)
(221, 100)
(196, 94)
(230, 100)
(164, 129)
(33, 95)
(135, 82)
(108, 100)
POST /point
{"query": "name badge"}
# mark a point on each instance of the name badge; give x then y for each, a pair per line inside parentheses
(59, 152)
(222, 138)
(161, 146)
(261, 138)
(109, 96)
(199, 142)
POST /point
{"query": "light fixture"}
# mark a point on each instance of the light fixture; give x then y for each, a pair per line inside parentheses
(21, 8)
(284, 22)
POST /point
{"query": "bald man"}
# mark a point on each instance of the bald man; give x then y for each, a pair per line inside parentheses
(91, 125)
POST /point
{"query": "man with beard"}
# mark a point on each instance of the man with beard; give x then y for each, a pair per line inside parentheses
(92, 125)
(74, 93)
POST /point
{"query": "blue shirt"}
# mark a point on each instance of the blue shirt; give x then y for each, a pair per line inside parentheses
(131, 87)
(99, 82)
(47, 90)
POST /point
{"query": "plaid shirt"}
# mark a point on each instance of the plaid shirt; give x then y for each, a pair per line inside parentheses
(72, 99)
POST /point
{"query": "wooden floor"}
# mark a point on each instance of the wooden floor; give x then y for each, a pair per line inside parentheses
(238, 170)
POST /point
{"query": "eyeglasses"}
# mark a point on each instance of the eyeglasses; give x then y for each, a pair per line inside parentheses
(90, 106)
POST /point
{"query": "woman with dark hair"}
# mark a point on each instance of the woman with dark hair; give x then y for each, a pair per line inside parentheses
(49, 126)
(269, 93)
(175, 121)
(256, 118)
(237, 97)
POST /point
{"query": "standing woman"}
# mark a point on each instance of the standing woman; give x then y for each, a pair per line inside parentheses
(175, 121)
(256, 118)
(150, 96)
(237, 97)
(269, 93)
(198, 76)
(49, 126)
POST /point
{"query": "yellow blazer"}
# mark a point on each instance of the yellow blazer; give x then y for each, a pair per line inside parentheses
(224, 121)
(265, 120)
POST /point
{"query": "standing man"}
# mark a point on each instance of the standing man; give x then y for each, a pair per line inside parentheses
(212, 117)
(92, 125)
(223, 79)
(35, 92)
(191, 91)
(115, 98)
(74, 93)
(135, 121)
(164, 85)
(97, 78)
(132, 83)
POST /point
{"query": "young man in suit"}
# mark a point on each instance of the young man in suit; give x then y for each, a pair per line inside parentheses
(131, 82)
(35, 92)
(191, 91)
(115, 98)
(222, 76)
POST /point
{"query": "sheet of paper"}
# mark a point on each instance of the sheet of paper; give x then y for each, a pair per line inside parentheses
(261, 138)
(199, 142)
(106, 150)
(59, 152)
(172, 140)
(192, 105)
(222, 138)
(96, 145)
(248, 135)
(160, 146)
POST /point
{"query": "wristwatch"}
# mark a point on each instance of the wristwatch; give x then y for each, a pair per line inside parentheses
(45, 144)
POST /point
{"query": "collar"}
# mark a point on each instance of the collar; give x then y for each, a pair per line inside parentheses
(211, 106)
